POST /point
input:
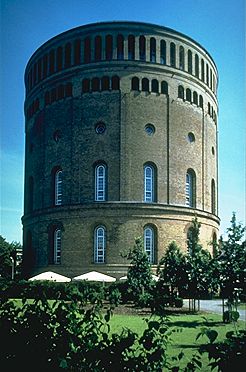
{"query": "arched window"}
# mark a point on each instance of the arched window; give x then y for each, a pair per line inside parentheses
(152, 49)
(57, 246)
(87, 50)
(60, 91)
(202, 70)
(149, 183)
(190, 61)
(68, 90)
(181, 58)
(135, 83)
(149, 242)
(196, 66)
(131, 47)
(58, 187)
(99, 244)
(52, 61)
(95, 85)
(155, 86)
(105, 83)
(115, 82)
(30, 194)
(35, 73)
(98, 48)
(163, 50)
(142, 48)
(190, 189)
(172, 55)
(188, 95)
(180, 91)
(109, 47)
(77, 51)
(213, 198)
(207, 74)
(85, 85)
(195, 98)
(59, 59)
(164, 87)
(45, 66)
(100, 182)
(145, 85)
(120, 47)
(209, 108)
(200, 101)
(39, 69)
(68, 55)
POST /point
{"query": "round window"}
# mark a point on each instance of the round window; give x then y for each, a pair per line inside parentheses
(100, 128)
(150, 129)
(191, 137)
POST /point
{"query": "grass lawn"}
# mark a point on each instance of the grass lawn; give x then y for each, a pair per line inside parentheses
(188, 327)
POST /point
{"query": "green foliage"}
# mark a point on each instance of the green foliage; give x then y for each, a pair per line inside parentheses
(172, 269)
(64, 336)
(8, 253)
(139, 274)
(232, 260)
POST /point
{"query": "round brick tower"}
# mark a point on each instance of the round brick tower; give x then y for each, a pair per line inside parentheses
(121, 142)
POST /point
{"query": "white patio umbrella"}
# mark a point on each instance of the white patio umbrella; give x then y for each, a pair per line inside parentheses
(95, 276)
(154, 277)
(50, 275)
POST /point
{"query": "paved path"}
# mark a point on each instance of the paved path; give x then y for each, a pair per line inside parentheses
(215, 306)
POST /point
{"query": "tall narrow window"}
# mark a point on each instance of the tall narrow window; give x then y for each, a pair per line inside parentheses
(188, 95)
(181, 58)
(200, 101)
(135, 83)
(57, 247)
(51, 61)
(164, 87)
(196, 66)
(142, 48)
(180, 91)
(145, 85)
(202, 70)
(109, 47)
(98, 48)
(45, 65)
(155, 86)
(213, 199)
(190, 61)
(131, 47)
(195, 98)
(58, 187)
(68, 55)
(95, 84)
(207, 74)
(190, 189)
(149, 183)
(152, 49)
(100, 182)
(149, 243)
(77, 50)
(59, 59)
(120, 47)
(163, 57)
(115, 82)
(87, 50)
(99, 244)
(105, 83)
(39, 69)
(172, 55)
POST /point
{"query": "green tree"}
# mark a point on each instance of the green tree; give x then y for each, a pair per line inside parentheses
(172, 268)
(198, 264)
(232, 260)
(139, 273)
(8, 255)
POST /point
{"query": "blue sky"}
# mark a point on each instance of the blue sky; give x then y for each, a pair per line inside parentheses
(218, 25)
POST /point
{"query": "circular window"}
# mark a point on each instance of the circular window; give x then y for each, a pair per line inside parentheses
(150, 129)
(213, 150)
(100, 128)
(57, 135)
(191, 137)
